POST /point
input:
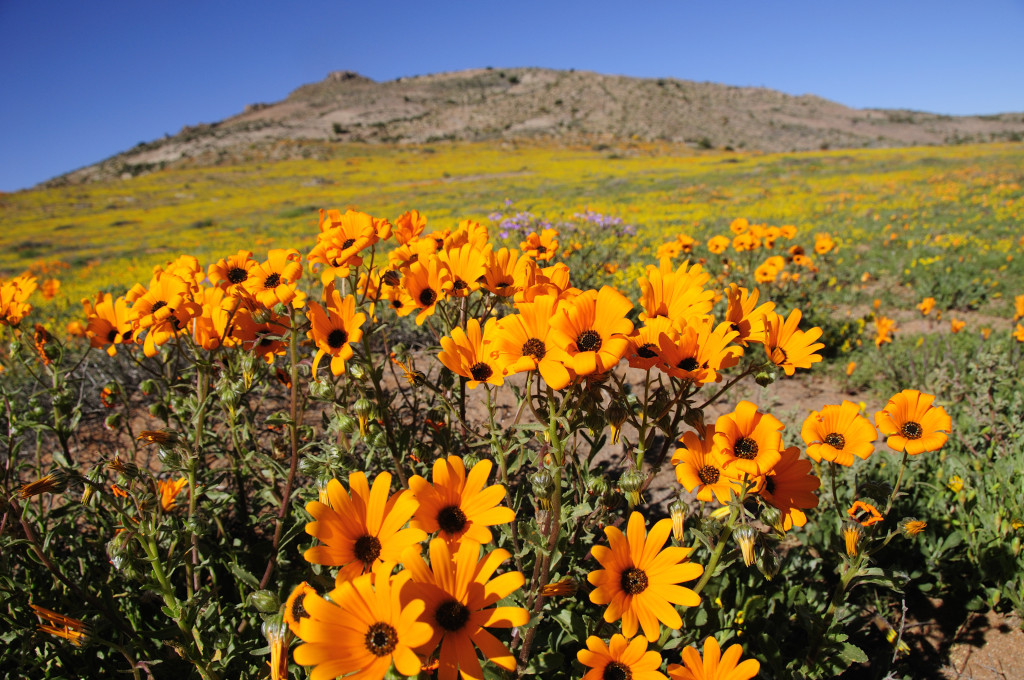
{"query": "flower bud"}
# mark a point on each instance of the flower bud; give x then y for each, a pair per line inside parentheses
(632, 484)
(543, 485)
(356, 371)
(746, 537)
(390, 278)
(911, 526)
(764, 379)
(55, 482)
(695, 419)
(768, 563)
(321, 390)
(113, 421)
(363, 408)
(594, 420)
(265, 601)
(147, 386)
(616, 416)
(158, 411)
(772, 516)
(347, 424)
(852, 533)
(677, 511)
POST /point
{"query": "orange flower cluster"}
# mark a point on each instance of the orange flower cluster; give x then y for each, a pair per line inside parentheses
(374, 618)
(245, 305)
(743, 453)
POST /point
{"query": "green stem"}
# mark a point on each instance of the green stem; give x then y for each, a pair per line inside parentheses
(716, 555)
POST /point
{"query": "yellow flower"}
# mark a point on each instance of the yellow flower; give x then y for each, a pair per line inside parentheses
(169, 490)
(639, 581)
(714, 665)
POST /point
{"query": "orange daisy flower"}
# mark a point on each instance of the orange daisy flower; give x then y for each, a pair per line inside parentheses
(458, 593)
(294, 607)
(788, 347)
(467, 265)
(109, 322)
(363, 629)
(699, 351)
(408, 226)
(750, 440)
(361, 527)
(838, 433)
(502, 272)
(469, 353)
(790, 487)
(459, 505)
(334, 330)
(593, 328)
(522, 342)
(639, 581)
(644, 350)
(275, 280)
(678, 294)
(426, 283)
(926, 305)
(745, 316)
(231, 272)
(699, 468)
(912, 424)
(542, 247)
(714, 665)
(718, 244)
(620, 658)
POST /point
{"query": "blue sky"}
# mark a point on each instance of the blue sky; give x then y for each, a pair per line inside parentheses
(80, 81)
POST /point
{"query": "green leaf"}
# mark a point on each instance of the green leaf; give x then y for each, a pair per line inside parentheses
(244, 576)
(853, 653)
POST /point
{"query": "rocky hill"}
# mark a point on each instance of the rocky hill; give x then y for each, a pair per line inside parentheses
(564, 106)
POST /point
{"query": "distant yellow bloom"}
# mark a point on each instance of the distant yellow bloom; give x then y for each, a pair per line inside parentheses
(850, 368)
(718, 244)
(1018, 333)
(956, 325)
(884, 329)
(1018, 303)
(955, 483)
(926, 305)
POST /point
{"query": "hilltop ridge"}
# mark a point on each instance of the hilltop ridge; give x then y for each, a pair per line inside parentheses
(569, 107)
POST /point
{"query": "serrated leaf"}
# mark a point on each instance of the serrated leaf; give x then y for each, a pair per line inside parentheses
(853, 653)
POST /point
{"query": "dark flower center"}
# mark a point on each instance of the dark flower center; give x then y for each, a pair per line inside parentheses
(299, 611)
(337, 338)
(451, 519)
(126, 336)
(633, 581)
(396, 304)
(769, 484)
(381, 639)
(481, 371)
(237, 275)
(836, 440)
(746, 449)
(348, 243)
(367, 549)
(541, 250)
(708, 474)
(588, 341)
(534, 348)
(648, 351)
(159, 304)
(501, 284)
(460, 285)
(272, 281)
(617, 671)
(112, 335)
(427, 297)
(911, 430)
(688, 364)
(452, 615)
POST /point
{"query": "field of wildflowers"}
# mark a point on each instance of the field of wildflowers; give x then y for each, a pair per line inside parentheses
(464, 410)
